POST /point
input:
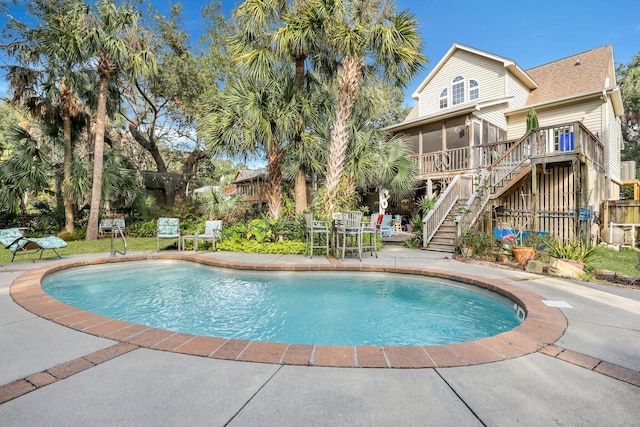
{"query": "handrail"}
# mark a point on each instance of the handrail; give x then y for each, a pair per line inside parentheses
(436, 216)
(124, 240)
(475, 205)
(511, 159)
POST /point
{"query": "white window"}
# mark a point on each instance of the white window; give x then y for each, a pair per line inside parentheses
(474, 90)
(457, 91)
(444, 98)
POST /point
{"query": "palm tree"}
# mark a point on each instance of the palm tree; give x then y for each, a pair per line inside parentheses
(219, 206)
(252, 117)
(47, 77)
(281, 36)
(27, 170)
(368, 37)
(110, 36)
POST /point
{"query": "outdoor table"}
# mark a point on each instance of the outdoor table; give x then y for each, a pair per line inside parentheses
(190, 237)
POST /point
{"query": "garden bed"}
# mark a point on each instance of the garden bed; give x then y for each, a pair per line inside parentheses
(604, 277)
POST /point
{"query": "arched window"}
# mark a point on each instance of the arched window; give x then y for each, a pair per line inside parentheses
(444, 98)
(474, 90)
(457, 91)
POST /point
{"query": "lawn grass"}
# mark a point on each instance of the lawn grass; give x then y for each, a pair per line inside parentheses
(621, 262)
(97, 246)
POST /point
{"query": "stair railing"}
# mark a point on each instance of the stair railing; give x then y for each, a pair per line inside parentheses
(511, 160)
(436, 216)
(496, 175)
(124, 240)
(475, 205)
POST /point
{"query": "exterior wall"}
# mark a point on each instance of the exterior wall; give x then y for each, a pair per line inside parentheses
(495, 115)
(588, 112)
(518, 91)
(489, 74)
(595, 186)
(614, 133)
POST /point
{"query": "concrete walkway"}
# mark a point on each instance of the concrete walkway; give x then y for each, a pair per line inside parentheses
(52, 375)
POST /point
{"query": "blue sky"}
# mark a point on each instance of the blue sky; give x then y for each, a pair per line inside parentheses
(530, 33)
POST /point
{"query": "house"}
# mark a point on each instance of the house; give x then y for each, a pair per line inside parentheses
(253, 185)
(471, 142)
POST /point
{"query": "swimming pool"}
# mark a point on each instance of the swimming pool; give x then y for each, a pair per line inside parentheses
(328, 308)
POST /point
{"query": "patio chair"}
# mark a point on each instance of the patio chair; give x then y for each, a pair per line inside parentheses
(370, 229)
(111, 225)
(385, 226)
(349, 232)
(168, 228)
(16, 242)
(313, 229)
(212, 231)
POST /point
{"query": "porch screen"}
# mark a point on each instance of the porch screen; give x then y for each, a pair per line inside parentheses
(432, 138)
(457, 133)
(411, 138)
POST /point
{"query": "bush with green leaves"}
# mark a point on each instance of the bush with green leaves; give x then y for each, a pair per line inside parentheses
(571, 249)
(142, 229)
(253, 246)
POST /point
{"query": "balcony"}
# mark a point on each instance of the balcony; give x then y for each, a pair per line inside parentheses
(551, 144)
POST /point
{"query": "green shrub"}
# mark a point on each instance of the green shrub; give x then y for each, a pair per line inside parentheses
(571, 249)
(142, 229)
(260, 230)
(255, 247)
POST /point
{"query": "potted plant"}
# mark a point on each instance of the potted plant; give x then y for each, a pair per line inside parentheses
(520, 241)
(568, 258)
(523, 250)
(466, 242)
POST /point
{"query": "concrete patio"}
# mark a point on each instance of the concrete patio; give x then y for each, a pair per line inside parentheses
(54, 375)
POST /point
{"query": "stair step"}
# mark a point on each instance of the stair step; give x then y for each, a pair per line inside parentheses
(440, 248)
(443, 241)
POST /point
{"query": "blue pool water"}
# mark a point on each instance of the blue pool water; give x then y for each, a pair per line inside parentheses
(324, 308)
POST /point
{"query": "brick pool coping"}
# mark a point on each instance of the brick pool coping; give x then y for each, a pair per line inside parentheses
(542, 326)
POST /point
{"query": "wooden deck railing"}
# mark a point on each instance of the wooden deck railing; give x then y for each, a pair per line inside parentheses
(559, 139)
(453, 160)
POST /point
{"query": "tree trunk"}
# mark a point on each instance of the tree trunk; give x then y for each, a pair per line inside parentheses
(349, 76)
(67, 199)
(98, 160)
(274, 190)
(148, 144)
(300, 191)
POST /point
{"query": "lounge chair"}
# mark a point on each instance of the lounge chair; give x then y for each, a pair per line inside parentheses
(212, 231)
(168, 228)
(14, 240)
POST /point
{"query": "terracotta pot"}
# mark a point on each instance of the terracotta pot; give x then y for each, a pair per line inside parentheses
(522, 254)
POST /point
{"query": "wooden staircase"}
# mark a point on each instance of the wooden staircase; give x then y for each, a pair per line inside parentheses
(445, 238)
(503, 174)
(510, 180)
